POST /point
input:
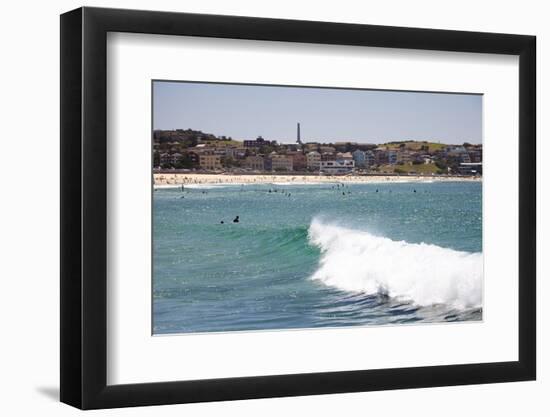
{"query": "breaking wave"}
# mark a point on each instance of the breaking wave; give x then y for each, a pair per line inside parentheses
(357, 261)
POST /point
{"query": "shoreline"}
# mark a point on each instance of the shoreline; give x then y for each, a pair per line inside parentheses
(161, 180)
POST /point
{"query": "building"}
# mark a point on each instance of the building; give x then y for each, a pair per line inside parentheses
(235, 153)
(370, 159)
(359, 157)
(424, 158)
(470, 168)
(230, 152)
(392, 157)
(299, 161)
(193, 158)
(475, 155)
(255, 162)
(170, 158)
(267, 163)
(210, 162)
(344, 155)
(176, 157)
(281, 162)
(458, 152)
(404, 157)
(380, 156)
(328, 156)
(339, 166)
(465, 158)
(258, 143)
(313, 160)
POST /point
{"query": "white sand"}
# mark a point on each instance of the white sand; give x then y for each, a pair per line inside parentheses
(168, 179)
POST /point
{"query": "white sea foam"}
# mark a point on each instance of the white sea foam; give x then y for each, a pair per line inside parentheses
(302, 183)
(166, 186)
(212, 186)
(357, 261)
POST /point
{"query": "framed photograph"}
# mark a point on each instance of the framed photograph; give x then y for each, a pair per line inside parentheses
(258, 208)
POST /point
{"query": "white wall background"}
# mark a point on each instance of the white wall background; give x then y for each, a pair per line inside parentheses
(29, 219)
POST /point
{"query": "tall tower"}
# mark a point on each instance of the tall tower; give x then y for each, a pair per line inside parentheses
(298, 139)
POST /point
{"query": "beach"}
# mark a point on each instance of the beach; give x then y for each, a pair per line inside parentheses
(167, 179)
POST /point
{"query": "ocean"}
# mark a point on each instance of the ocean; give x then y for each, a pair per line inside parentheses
(316, 255)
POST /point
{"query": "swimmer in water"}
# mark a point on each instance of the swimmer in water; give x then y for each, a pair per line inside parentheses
(236, 219)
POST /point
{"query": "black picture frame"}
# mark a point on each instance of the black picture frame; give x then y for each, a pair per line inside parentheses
(84, 207)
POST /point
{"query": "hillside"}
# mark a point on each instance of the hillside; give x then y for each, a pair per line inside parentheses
(426, 169)
(416, 146)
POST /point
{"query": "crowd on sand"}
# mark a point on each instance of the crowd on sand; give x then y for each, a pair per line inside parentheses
(165, 179)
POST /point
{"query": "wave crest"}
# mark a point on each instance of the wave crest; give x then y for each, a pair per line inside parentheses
(357, 261)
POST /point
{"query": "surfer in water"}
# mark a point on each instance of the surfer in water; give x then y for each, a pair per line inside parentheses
(236, 219)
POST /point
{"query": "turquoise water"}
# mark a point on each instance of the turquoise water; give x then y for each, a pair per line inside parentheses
(305, 256)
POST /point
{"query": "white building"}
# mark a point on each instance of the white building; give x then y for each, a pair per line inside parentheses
(313, 160)
(339, 166)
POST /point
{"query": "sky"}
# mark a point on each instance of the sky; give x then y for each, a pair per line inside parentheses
(325, 114)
